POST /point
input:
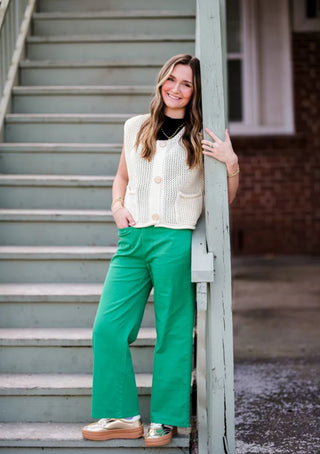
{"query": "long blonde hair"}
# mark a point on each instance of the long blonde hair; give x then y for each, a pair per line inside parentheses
(191, 138)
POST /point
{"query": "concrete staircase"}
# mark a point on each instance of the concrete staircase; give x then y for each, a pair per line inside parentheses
(89, 66)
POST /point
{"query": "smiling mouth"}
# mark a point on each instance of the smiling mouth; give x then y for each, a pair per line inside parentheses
(175, 98)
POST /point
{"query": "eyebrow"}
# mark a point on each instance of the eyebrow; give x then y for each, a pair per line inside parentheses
(188, 81)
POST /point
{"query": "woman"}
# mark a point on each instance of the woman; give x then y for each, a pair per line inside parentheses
(157, 200)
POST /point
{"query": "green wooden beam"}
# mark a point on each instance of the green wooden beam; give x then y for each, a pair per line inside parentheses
(216, 421)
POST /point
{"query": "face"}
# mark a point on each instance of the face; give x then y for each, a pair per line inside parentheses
(177, 91)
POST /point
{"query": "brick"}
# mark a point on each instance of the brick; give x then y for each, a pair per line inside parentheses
(277, 208)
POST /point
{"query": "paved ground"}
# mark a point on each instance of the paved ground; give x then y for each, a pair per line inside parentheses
(277, 355)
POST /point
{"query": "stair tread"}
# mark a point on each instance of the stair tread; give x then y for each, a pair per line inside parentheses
(59, 146)
(89, 63)
(62, 336)
(82, 89)
(69, 434)
(55, 215)
(129, 37)
(67, 118)
(55, 180)
(38, 384)
(57, 252)
(115, 14)
(51, 292)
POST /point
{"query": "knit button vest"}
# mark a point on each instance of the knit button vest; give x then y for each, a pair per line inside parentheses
(162, 192)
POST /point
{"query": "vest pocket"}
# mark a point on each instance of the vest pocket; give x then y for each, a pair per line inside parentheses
(188, 208)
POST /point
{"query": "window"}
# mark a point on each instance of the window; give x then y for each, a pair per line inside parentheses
(259, 67)
(306, 15)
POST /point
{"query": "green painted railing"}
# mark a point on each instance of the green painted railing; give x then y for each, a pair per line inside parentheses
(15, 16)
(211, 265)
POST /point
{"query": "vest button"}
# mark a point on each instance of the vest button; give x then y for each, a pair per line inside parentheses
(162, 144)
(157, 179)
(155, 217)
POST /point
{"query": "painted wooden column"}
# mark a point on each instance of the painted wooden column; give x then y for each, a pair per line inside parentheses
(211, 248)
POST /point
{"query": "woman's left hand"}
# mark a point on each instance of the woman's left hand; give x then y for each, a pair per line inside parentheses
(221, 150)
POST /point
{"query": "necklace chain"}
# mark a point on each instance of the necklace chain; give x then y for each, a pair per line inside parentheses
(175, 132)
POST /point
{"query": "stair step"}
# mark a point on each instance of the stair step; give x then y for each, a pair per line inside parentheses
(39, 264)
(114, 14)
(61, 305)
(44, 72)
(55, 191)
(62, 337)
(54, 222)
(60, 158)
(63, 350)
(66, 438)
(57, 228)
(112, 5)
(56, 252)
(120, 47)
(82, 99)
(142, 21)
(56, 397)
(43, 293)
(85, 128)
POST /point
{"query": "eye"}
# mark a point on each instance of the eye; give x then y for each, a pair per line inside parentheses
(170, 78)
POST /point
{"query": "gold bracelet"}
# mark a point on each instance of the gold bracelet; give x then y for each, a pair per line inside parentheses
(230, 175)
(118, 199)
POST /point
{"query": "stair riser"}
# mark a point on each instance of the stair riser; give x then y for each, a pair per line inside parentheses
(121, 51)
(56, 315)
(63, 359)
(28, 233)
(69, 408)
(89, 76)
(85, 26)
(107, 5)
(55, 197)
(60, 163)
(67, 131)
(60, 270)
(92, 104)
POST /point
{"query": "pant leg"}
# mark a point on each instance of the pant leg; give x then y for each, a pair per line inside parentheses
(174, 302)
(124, 296)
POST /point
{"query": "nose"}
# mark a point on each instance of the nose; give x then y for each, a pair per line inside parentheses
(176, 87)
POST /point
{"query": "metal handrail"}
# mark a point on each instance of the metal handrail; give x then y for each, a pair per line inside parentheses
(15, 18)
(10, 24)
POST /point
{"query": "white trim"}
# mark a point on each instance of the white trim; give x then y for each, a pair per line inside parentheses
(267, 90)
(250, 81)
(300, 22)
(239, 129)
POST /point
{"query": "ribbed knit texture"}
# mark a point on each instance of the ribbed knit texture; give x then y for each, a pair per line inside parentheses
(163, 192)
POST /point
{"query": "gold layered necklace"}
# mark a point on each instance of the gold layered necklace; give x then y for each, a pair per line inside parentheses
(175, 132)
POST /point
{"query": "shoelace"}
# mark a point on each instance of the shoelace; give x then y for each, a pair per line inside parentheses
(165, 427)
(103, 421)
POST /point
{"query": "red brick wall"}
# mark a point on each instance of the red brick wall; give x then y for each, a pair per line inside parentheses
(277, 209)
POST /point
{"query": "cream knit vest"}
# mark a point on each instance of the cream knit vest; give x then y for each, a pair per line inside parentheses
(163, 192)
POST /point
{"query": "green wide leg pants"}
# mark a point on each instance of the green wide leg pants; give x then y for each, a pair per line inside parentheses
(146, 257)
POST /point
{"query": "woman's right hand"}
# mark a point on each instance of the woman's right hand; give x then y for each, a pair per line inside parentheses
(123, 218)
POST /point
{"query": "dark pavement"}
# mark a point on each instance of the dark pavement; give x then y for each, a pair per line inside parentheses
(276, 303)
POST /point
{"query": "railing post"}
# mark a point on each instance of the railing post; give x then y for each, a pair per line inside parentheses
(218, 438)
